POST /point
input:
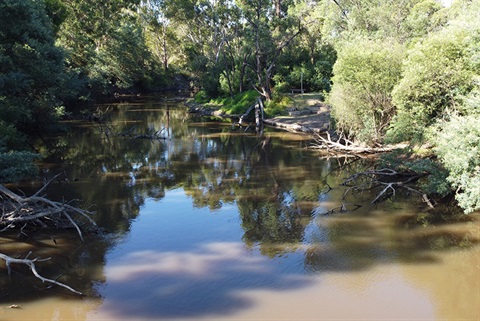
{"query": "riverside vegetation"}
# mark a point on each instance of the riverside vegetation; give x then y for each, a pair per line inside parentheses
(392, 71)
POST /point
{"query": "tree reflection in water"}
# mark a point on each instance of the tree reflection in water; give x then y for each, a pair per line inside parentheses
(278, 187)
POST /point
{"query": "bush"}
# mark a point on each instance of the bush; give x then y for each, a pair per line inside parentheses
(458, 146)
(15, 166)
(278, 105)
(239, 103)
(366, 71)
(437, 74)
(201, 97)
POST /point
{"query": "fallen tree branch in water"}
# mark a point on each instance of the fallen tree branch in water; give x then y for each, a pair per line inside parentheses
(343, 145)
(388, 181)
(31, 264)
(343, 208)
(39, 211)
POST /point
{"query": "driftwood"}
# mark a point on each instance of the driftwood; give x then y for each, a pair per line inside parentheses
(343, 145)
(37, 210)
(387, 181)
(31, 264)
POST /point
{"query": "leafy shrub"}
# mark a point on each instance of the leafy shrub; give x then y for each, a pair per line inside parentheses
(239, 103)
(278, 105)
(201, 97)
(366, 71)
(437, 74)
(458, 146)
(16, 165)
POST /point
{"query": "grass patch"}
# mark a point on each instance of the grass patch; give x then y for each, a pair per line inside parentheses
(238, 104)
(278, 105)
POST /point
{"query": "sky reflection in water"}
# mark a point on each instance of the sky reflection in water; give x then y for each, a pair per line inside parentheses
(215, 224)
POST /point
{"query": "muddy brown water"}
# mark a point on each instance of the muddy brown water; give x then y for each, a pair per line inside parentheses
(210, 223)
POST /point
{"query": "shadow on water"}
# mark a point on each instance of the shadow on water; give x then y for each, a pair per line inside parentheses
(264, 224)
(208, 280)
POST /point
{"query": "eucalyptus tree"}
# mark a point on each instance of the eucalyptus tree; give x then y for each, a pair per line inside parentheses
(229, 46)
(270, 29)
(105, 43)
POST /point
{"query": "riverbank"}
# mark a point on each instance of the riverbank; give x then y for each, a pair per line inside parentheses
(308, 114)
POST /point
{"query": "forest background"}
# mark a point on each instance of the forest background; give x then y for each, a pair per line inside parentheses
(392, 70)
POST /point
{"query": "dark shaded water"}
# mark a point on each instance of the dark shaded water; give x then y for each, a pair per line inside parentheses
(214, 223)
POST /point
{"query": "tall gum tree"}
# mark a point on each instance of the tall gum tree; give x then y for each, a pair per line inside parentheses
(270, 30)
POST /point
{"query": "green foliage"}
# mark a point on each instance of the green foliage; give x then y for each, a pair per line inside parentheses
(425, 17)
(57, 11)
(10, 137)
(15, 166)
(365, 73)
(239, 103)
(278, 105)
(373, 18)
(201, 97)
(106, 45)
(458, 146)
(437, 74)
(32, 74)
(299, 66)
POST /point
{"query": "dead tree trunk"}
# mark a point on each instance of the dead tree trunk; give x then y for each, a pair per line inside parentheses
(343, 145)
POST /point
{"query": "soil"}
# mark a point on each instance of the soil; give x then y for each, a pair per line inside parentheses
(310, 119)
(308, 114)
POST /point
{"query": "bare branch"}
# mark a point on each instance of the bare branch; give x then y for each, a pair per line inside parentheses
(31, 264)
(37, 210)
(390, 179)
(334, 147)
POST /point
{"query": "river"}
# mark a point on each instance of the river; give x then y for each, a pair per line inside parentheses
(211, 223)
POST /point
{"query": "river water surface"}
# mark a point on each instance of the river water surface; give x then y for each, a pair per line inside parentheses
(212, 223)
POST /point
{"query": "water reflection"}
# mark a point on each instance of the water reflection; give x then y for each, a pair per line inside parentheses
(204, 221)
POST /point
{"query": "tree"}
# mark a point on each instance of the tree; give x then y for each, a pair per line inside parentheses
(269, 33)
(31, 81)
(31, 68)
(365, 73)
(436, 75)
(106, 44)
(456, 144)
(456, 134)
